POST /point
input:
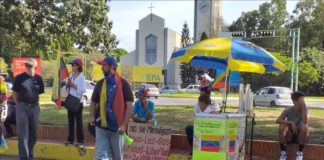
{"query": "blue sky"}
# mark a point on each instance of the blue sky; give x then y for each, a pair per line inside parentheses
(126, 14)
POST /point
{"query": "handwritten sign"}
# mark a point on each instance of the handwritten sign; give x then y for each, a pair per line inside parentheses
(232, 126)
(206, 126)
(218, 137)
(150, 142)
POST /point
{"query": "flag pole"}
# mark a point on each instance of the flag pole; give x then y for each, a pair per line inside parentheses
(227, 81)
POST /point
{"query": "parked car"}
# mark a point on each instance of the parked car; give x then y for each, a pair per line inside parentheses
(153, 91)
(169, 89)
(273, 96)
(90, 85)
(191, 89)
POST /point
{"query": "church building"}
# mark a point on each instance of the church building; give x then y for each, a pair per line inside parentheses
(154, 45)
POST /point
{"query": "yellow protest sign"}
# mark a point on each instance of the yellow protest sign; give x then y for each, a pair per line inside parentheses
(151, 74)
(199, 155)
(97, 72)
(206, 126)
(232, 126)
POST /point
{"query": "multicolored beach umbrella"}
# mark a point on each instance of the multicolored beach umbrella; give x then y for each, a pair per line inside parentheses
(232, 54)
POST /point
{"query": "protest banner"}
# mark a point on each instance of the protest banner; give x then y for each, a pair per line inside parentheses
(151, 142)
(18, 65)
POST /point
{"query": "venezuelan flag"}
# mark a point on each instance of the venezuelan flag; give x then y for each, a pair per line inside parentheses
(231, 142)
(60, 74)
(210, 143)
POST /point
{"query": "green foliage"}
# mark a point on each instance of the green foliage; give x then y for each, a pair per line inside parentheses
(203, 36)
(307, 75)
(118, 52)
(39, 25)
(315, 57)
(185, 35)
(308, 16)
(187, 72)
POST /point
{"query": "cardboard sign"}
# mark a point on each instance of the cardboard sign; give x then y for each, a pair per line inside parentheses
(151, 142)
(205, 126)
(18, 66)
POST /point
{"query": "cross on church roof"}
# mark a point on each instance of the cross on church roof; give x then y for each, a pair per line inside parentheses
(151, 7)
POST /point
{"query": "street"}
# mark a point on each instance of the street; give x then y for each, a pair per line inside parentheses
(230, 102)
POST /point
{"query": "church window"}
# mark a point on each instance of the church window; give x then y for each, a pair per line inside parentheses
(150, 49)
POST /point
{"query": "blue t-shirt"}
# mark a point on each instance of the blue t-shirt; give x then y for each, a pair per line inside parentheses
(139, 110)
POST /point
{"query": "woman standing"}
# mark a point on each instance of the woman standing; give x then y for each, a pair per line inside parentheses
(76, 86)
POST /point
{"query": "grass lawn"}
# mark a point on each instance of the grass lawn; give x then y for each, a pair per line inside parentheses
(180, 116)
(46, 97)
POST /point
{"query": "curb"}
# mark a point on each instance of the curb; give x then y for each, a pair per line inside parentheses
(53, 151)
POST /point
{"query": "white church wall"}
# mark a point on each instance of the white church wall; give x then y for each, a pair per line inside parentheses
(151, 25)
(128, 59)
(172, 44)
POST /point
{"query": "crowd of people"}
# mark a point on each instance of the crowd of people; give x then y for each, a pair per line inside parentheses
(112, 107)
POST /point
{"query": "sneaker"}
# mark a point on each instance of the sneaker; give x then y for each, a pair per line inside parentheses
(299, 155)
(79, 145)
(283, 155)
(68, 143)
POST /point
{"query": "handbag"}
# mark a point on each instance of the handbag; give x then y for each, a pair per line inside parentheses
(72, 103)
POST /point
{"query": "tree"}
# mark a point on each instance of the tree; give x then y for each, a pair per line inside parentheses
(308, 16)
(278, 13)
(185, 35)
(307, 75)
(118, 52)
(315, 57)
(187, 72)
(41, 24)
(247, 22)
(203, 36)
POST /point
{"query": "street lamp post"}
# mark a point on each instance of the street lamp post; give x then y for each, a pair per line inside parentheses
(297, 37)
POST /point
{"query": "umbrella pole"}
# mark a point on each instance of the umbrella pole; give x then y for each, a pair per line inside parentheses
(227, 81)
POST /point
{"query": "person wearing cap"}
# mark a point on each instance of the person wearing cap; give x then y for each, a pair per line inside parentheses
(110, 110)
(26, 89)
(143, 109)
(76, 86)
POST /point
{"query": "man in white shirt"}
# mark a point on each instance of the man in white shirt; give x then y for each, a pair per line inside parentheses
(204, 105)
(213, 104)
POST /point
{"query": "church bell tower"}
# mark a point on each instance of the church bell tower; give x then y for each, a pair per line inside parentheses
(207, 18)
